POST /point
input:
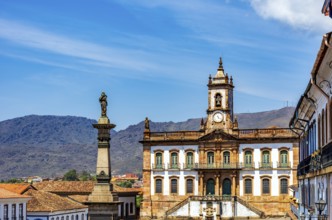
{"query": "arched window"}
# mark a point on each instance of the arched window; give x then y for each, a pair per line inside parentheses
(247, 186)
(227, 157)
(190, 160)
(159, 184)
(72, 217)
(248, 158)
(77, 217)
(266, 186)
(67, 217)
(190, 186)
(210, 187)
(226, 187)
(159, 160)
(218, 100)
(82, 217)
(174, 186)
(174, 160)
(319, 132)
(284, 158)
(62, 218)
(326, 125)
(210, 158)
(57, 218)
(323, 127)
(266, 159)
(283, 186)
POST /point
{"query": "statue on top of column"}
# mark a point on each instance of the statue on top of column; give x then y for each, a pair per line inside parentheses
(103, 104)
(146, 124)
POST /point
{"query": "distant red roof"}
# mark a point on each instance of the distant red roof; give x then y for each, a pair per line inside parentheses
(18, 188)
(6, 194)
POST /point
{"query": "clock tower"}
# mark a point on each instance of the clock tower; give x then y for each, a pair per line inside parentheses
(220, 101)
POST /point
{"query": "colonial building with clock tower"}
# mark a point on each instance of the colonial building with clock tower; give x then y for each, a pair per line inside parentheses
(218, 171)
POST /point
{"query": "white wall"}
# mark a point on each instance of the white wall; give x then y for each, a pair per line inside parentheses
(128, 200)
(58, 215)
(273, 173)
(10, 202)
(181, 174)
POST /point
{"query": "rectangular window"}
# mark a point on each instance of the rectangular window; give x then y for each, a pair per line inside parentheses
(174, 160)
(174, 186)
(190, 188)
(283, 186)
(159, 160)
(158, 186)
(190, 160)
(20, 212)
(13, 211)
(210, 156)
(266, 186)
(248, 186)
(5, 212)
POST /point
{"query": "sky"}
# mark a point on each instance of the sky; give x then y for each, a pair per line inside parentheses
(153, 57)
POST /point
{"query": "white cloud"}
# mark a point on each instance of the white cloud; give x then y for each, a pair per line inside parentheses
(106, 56)
(300, 14)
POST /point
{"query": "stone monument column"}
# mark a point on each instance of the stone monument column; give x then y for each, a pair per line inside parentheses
(103, 202)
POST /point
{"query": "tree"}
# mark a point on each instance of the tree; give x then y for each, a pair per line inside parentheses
(71, 175)
(85, 176)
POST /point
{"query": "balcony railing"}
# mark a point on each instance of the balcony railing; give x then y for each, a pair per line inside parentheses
(248, 166)
(218, 166)
(327, 155)
(158, 166)
(284, 165)
(267, 133)
(245, 166)
(174, 166)
(265, 165)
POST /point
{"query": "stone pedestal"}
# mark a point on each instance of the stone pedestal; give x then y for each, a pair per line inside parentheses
(103, 202)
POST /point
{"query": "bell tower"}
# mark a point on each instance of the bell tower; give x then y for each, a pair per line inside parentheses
(220, 101)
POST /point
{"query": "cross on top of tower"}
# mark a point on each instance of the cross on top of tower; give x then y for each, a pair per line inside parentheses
(220, 64)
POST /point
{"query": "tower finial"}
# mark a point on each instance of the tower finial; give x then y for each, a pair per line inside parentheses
(220, 64)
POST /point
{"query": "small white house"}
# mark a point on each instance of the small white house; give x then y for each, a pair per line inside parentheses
(12, 205)
(49, 206)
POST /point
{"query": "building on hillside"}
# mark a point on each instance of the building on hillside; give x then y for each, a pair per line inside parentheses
(126, 177)
(80, 190)
(219, 171)
(313, 119)
(49, 206)
(13, 205)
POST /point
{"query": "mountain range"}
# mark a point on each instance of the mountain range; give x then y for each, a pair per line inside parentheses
(49, 146)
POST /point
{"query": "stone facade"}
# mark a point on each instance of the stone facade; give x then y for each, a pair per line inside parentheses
(219, 165)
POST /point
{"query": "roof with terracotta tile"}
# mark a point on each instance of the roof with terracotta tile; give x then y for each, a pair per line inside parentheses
(6, 194)
(15, 187)
(77, 187)
(66, 186)
(48, 202)
(79, 198)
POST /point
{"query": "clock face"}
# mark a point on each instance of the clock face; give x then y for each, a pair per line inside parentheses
(218, 117)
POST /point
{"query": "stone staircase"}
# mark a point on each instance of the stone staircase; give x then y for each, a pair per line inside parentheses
(251, 207)
(177, 206)
(169, 214)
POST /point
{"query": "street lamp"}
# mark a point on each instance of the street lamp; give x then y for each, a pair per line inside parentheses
(320, 205)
